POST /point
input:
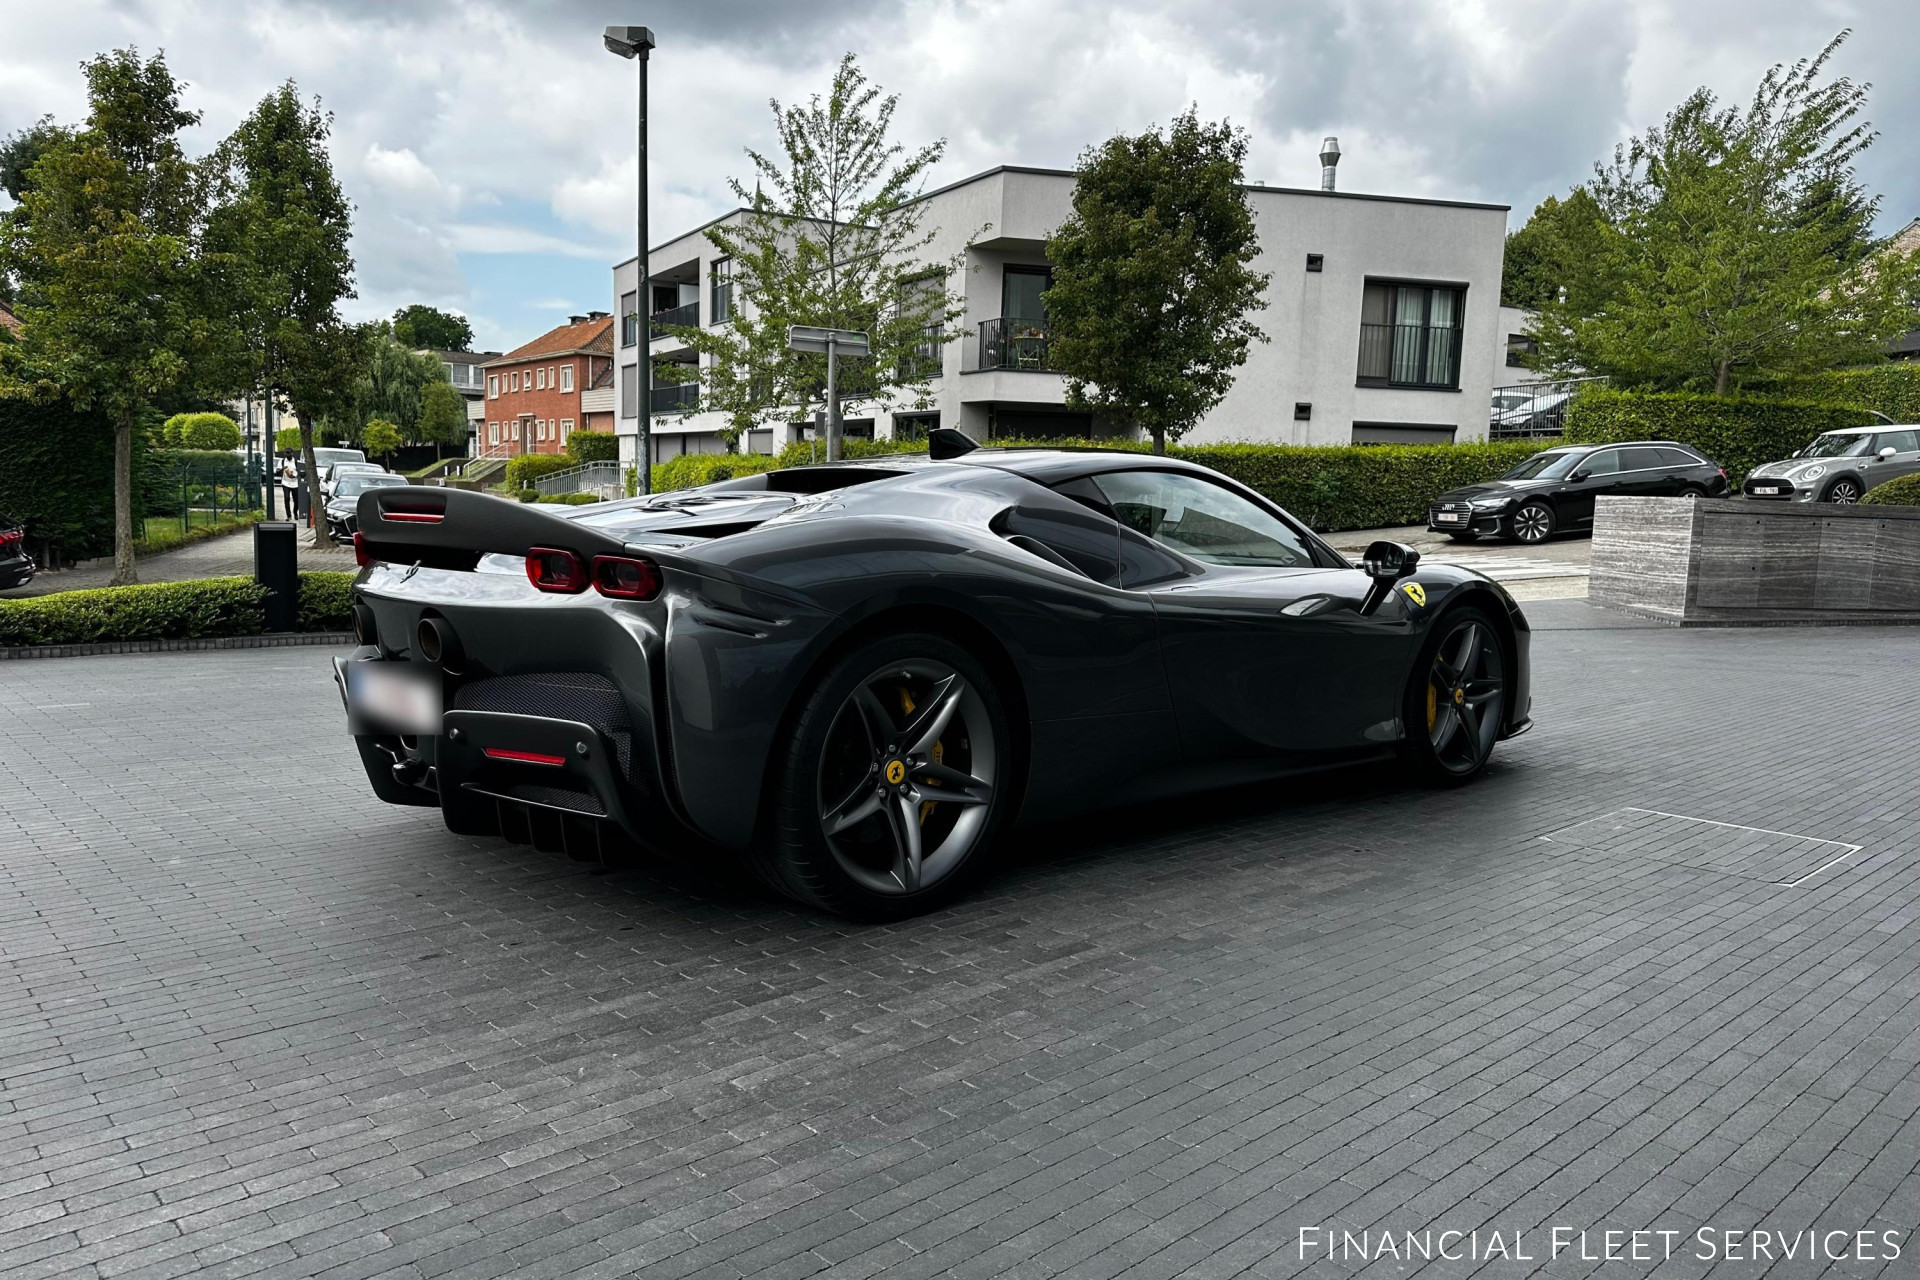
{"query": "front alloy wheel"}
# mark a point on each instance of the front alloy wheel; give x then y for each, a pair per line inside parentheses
(1461, 703)
(1843, 493)
(1533, 523)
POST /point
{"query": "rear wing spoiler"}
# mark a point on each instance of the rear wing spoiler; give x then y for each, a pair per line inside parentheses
(453, 528)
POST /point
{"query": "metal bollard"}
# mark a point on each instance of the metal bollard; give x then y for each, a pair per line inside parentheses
(276, 567)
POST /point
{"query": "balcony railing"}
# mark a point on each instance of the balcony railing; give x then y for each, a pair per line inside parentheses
(681, 397)
(1409, 355)
(687, 313)
(1010, 342)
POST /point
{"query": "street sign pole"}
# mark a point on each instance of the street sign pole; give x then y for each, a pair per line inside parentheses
(832, 343)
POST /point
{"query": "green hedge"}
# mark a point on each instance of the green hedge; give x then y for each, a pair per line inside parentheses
(1329, 486)
(1738, 432)
(565, 499)
(1903, 492)
(56, 476)
(1892, 388)
(528, 467)
(203, 608)
(593, 446)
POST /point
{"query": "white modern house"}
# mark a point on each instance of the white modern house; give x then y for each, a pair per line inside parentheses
(1383, 318)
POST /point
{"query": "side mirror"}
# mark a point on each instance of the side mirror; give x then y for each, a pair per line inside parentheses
(1388, 562)
(1888, 452)
(1578, 475)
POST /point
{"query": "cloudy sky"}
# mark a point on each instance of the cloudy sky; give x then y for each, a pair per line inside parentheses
(488, 146)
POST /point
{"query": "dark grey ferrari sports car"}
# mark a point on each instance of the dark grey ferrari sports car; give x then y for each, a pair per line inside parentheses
(859, 675)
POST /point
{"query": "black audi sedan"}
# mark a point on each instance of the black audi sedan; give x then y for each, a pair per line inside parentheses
(1553, 491)
(16, 566)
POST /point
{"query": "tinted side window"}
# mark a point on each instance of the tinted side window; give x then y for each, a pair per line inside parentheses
(1641, 459)
(1200, 519)
(1904, 441)
(1679, 458)
(1604, 463)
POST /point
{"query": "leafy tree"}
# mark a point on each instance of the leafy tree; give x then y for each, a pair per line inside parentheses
(1733, 246)
(422, 327)
(1557, 249)
(283, 232)
(391, 382)
(21, 150)
(380, 438)
(105, 246)
(443, 416)
(832, 237)
(1153, 280)
(286, 438)
(200, 431)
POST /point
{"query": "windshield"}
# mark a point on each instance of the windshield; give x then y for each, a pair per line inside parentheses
(1837, 444)
(321, 457)
(355, 484)
(1544, 466)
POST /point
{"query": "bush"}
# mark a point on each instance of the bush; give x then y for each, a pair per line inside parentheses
(1902, 492)
(527, 495)
(1359, 486)
(208, 607)
(326, 602)
(286, 440)
(56, 476)
(1738, 432)
(162, 611)
(1892, 388)
(567, 499)
(593, 446)
(200, 431)
(691, 470)
(528, 467)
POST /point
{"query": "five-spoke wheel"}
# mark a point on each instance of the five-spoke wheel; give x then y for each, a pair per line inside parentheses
(1458, 699)
(891, 789)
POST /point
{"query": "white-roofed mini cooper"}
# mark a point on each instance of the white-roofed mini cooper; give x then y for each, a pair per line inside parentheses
(1839, 466)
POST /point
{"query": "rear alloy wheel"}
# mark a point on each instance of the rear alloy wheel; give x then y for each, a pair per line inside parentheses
(892, 789)
(1843, 492)
(1457, 699)
(1533, 523)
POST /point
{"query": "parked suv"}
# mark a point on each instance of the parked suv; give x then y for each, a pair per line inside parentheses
(16, 566)
(1839, 466)
(1554, 491)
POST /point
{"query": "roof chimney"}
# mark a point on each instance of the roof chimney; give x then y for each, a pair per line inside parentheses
(576, 319)
(1329, 157)
(598, 315)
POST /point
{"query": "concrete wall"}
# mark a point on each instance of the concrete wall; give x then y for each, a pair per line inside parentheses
(1732, 562)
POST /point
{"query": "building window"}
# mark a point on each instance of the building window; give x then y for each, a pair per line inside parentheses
(566, 377)
(1519, 347)
(1410, 335)
(630, 390)
(493, 386)
(566, 429)
(720, 282)
(513, 381)
(629, 319)
(493, 433)
(921, 296)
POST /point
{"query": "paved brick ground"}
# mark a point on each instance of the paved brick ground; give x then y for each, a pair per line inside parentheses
(252, 1022)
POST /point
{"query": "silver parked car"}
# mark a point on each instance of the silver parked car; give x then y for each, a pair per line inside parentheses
(1839, 466)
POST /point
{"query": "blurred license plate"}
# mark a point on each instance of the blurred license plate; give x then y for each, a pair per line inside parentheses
(1768, 488)
(1449, 517)
(392, 697)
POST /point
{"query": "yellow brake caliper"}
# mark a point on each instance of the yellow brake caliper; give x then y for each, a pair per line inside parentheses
(938, 754)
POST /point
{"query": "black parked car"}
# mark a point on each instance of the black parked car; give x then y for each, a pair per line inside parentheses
(16, 566)
(859, 674)
(1554, 491)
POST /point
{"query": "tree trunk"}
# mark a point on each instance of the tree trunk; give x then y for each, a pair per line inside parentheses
(316, 513)
(1160, 440)
(1720, 377)
(124, 570)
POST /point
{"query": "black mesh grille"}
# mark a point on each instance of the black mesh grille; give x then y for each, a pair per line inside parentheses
(560, 798)
(560, 695)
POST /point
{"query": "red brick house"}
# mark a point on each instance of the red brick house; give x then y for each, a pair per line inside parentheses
(534, 392)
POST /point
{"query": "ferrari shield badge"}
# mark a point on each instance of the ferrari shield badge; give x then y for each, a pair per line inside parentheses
(1416, 593)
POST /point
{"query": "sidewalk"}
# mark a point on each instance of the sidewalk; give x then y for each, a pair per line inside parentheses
(220, 557)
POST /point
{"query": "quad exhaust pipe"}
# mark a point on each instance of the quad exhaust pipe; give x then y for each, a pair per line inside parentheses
(435, 641)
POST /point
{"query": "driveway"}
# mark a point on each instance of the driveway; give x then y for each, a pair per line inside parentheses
(1655, 972)
(225, 556)
(1552, 571)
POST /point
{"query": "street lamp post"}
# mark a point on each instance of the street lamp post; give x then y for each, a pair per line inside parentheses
(636, 43)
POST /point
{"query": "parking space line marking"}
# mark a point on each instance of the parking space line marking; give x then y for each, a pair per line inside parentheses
(1851, 849)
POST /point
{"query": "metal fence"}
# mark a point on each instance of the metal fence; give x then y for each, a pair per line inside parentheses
(686, 314)
(603, 479)
(1010, 342)
(192, 490)
(1531, 410)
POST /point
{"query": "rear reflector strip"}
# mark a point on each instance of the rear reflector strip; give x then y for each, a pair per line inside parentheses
(521, 757)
